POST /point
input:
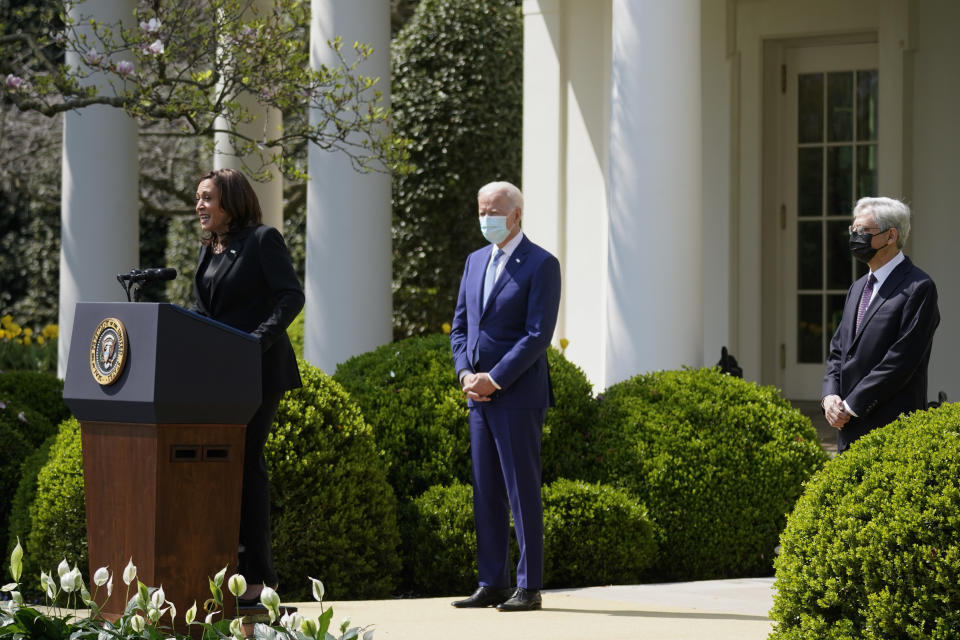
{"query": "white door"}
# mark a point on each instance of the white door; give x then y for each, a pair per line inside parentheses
(828, 158)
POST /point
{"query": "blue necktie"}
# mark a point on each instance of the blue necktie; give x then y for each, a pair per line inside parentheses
(491, 277)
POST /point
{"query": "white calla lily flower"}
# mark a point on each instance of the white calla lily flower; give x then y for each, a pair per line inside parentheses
(237, 584)
(100, 576)
(129, 573)
(317, 588)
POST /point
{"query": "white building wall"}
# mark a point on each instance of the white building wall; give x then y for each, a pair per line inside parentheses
(719, 303)
(100, 203)
(935, 128)
(348, 268)
(655, 263)
(565, 132)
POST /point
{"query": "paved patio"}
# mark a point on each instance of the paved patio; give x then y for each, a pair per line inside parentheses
(714, 609)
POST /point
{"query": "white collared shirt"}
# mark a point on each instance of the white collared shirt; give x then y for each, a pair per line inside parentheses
(884, 272)
(508, 250)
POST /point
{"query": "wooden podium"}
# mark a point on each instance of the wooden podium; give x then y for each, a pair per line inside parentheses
(163, 396)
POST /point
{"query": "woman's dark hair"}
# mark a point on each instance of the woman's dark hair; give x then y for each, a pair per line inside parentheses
(237, 198)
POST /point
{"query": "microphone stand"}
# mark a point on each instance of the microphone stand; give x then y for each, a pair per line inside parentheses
(131, 283)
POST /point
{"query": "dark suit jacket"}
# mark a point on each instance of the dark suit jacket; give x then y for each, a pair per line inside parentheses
(881, 371)
(509, 338)
(256, 290)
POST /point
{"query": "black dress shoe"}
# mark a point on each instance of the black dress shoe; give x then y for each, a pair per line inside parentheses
(521, 600)
(483, 597)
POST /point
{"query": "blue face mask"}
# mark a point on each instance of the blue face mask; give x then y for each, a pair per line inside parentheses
(494, 228)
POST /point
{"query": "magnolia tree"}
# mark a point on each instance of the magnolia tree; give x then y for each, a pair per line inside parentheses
(196, 64)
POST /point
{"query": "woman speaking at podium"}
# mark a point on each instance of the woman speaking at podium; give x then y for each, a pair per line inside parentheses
(245, 279)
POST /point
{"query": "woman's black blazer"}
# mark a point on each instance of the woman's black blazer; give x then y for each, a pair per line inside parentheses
(256, 289)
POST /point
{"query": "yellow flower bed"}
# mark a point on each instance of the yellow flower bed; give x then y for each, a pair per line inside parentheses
(24, 348)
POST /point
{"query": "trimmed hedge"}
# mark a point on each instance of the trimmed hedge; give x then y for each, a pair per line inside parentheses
(295, 333)
(457, 93)
(19, 520)
(718, 461)
(31, 405)
(441, 549)
(593, 534)
(571, 433)
(408, 392)
(872, 548)
(334, 513)
(58, 523)
(14, 448)
(42, 392)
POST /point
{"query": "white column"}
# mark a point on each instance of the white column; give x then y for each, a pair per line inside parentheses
(267, 123)
(655, 304)
(348, 270)
(100, 204)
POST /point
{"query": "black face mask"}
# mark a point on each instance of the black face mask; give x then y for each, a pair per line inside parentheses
(860, 246)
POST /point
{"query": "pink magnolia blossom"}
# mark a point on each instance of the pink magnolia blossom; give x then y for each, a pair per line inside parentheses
(94, 57)
(150, 27)
(124, 67)
(155, 48)
(14, 82)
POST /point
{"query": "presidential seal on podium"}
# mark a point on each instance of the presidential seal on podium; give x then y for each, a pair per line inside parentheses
(108, 351)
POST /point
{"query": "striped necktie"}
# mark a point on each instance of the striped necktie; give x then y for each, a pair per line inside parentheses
(491, 276)
(865, 299)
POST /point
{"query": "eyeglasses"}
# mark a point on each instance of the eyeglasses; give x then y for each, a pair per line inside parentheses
(852, 229)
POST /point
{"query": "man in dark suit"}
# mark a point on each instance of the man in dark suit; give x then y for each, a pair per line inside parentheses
(503, 323)
(877, 366)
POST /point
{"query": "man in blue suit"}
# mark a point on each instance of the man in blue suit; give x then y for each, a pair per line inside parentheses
(877, 366)
(504, 320)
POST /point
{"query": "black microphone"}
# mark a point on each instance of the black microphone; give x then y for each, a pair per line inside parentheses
(159, 273)
(148, 275)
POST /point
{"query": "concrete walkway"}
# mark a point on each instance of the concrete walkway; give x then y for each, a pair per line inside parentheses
(714, 609)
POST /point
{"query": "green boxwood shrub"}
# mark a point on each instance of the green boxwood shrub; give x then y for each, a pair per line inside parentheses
(408, 392)
(594, 534)
(58, 521)
(719, 462)
(441, 549)
(872, 548)
(295, 333)
(182, 248)
(42, 392)
(14, 448)
(333, 510)
(570, 446)
(334, 513)
(31, 404)
(456, 92)
(19, 520)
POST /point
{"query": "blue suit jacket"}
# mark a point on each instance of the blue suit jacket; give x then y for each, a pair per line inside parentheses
(509, 338)
(881, 370)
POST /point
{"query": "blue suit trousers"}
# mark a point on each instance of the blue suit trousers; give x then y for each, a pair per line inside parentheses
(505, 445)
